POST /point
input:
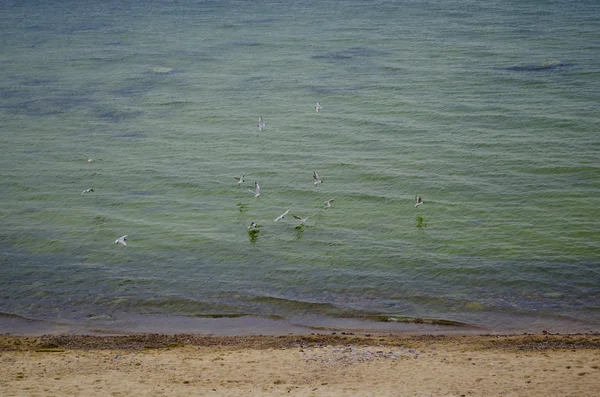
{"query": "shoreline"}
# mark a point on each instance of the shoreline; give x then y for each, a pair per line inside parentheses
(251, 325)
(318, 364)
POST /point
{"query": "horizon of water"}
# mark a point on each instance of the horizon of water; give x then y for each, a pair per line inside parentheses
(489, 111)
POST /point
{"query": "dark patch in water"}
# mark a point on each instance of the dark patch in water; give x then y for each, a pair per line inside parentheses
(349, 53)
(132, 90)
(141, 84)
(248, 84)
(176, 103)
(132, 135)
(85, 28)
(48, 106)
(245, 43)
(116, 116)
(5, 94)
(258, 21)
(537, 67)
(330, 90)
(38, 81)
(37, 28)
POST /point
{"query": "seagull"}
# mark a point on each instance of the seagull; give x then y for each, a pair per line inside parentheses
(328, 203)
(261, 124)
(318, 107)
(302, 220)
(87, 191)
(121, 240)
(253, 226)
(240, 179)
(280, 217)
(89, 159)
(419, 201)
(316, 178)
(256, 190)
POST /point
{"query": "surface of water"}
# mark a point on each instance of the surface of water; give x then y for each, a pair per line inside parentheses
(489, 110)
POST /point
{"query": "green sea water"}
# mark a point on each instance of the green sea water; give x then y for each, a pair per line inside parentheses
(488, 110)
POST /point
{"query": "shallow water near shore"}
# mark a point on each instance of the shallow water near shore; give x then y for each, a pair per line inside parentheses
(491, 113)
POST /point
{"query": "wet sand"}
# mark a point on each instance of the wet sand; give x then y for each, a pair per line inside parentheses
(342, 364)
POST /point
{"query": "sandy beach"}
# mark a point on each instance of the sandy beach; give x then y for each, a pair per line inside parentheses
(341, 364)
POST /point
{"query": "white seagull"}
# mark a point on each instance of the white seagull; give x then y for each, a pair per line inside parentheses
(316, 178)
(89, 159)
(318, 107)
(253, 226)
(240, 179)
(256, 190)
(328, 203)
(87, 191)
(302, 220)
(261, 124)
(280, 217)
(121, 240)
(419, 201)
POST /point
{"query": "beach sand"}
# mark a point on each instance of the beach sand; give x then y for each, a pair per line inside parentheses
(301, 365)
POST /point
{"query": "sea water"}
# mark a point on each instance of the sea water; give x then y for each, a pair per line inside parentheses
(488, 110)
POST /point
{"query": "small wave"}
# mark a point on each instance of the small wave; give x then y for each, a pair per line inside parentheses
(536, 67)
(175, 103)
(416, 320)
(296, 305)
(349, 53)
(236, 315)
(15, 316)
(339, 313)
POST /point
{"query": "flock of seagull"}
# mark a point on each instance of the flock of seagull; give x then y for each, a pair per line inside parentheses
(256, 192)
(316, 180)
(303, 221)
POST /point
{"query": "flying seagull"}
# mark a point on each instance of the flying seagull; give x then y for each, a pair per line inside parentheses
(318, 107)
(240, 179)
(261, 124)
(419, 201)
(256, 190)
(121, 240)
(302, 220)
(316, 178)
(280, 217)
(87, 191)
(328, 203)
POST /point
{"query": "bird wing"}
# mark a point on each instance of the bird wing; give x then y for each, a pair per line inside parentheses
(281, 216)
